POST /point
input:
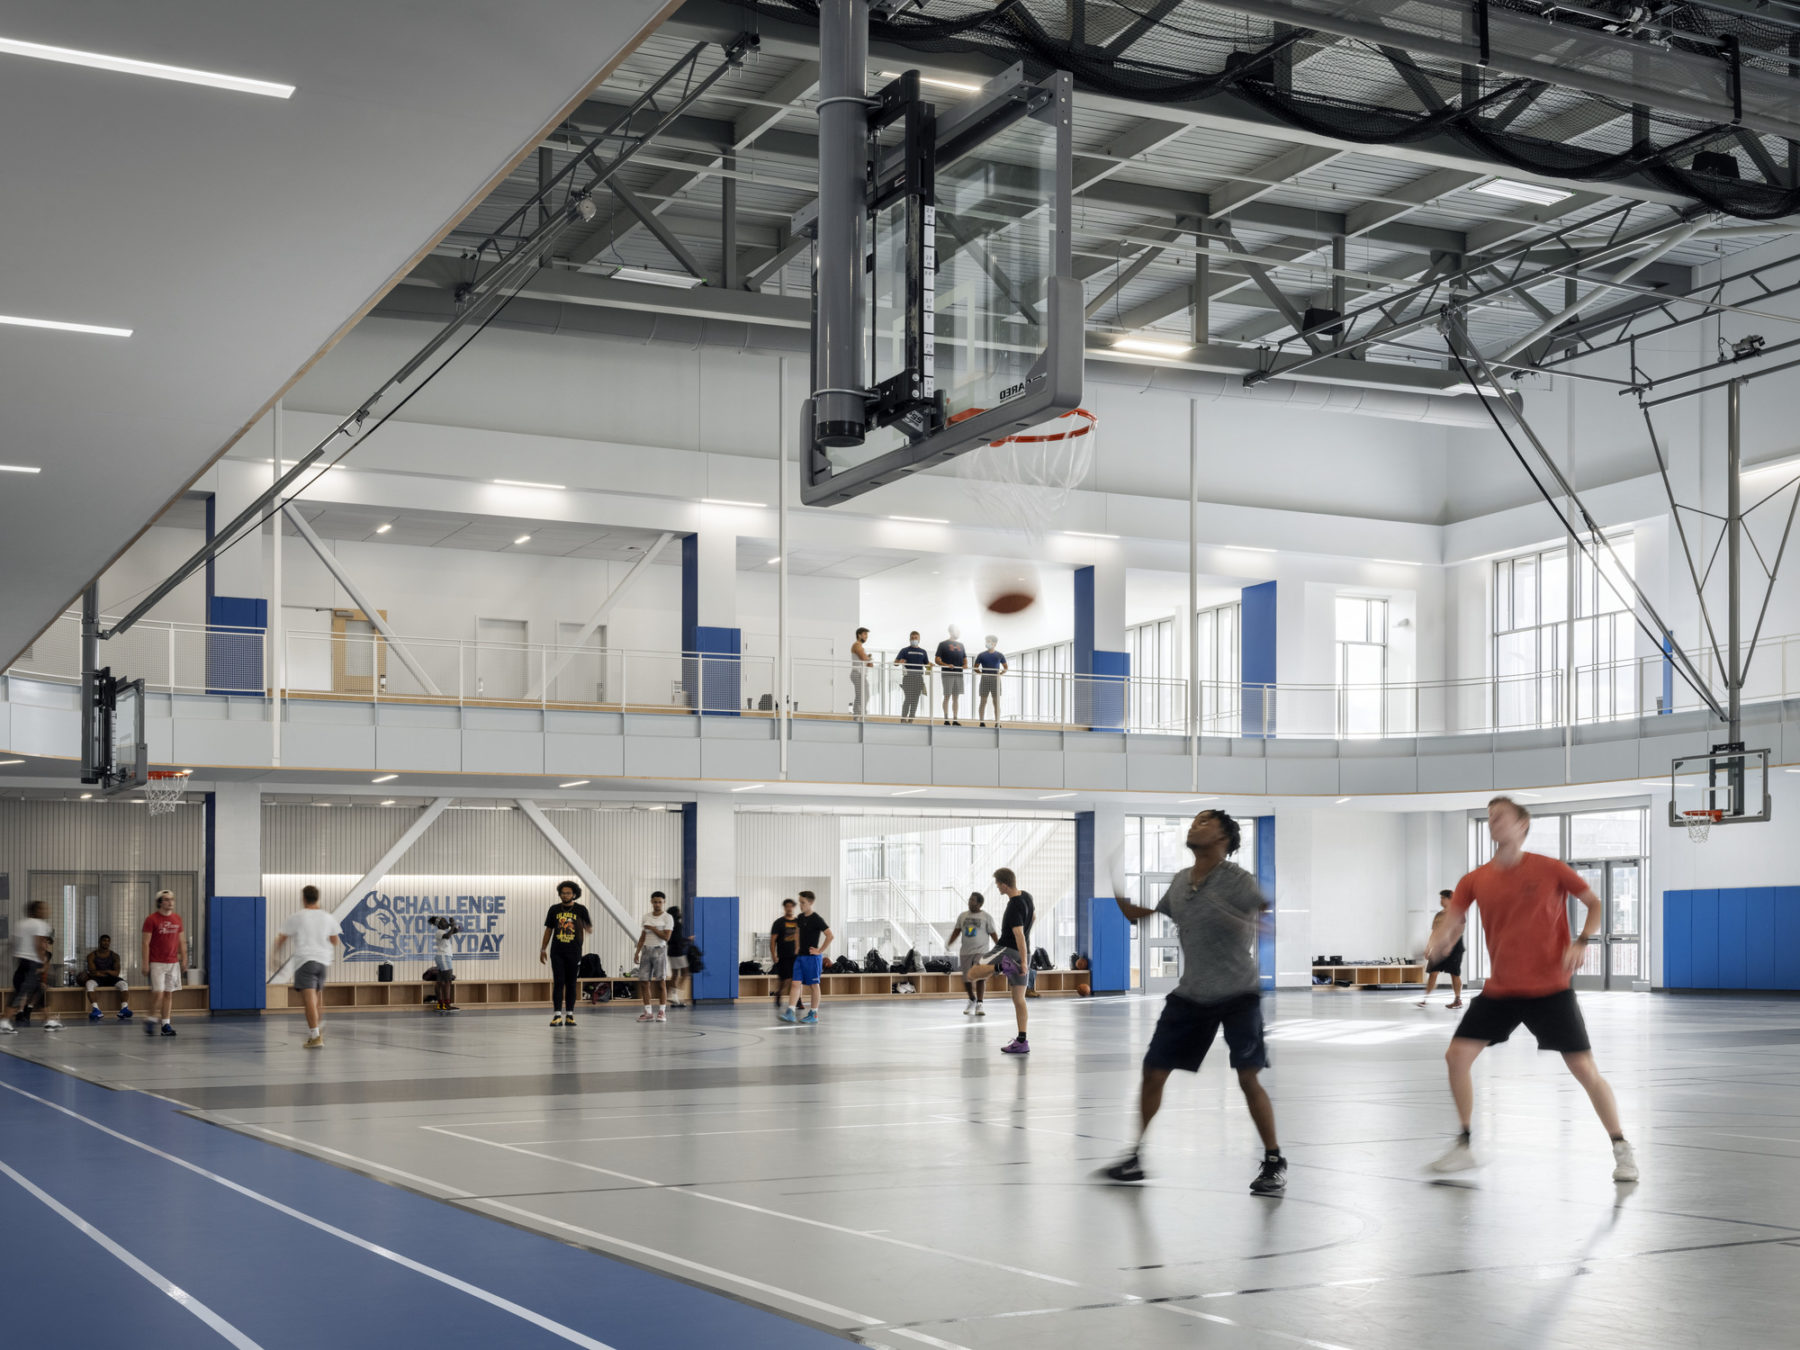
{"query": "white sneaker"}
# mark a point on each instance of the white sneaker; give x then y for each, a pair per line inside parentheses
(661, 1016)
(969, 1011)
(646, 1016)
(6, 1026)
(980, 1010)
(1625, 1166)
(1460, 1158)
(53, 1025)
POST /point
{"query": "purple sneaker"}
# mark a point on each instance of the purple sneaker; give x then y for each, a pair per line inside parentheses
(1018, 1046)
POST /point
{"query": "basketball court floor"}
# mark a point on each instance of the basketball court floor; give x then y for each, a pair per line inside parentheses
(888, 1178)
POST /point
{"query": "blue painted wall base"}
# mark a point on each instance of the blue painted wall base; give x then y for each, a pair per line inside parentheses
(713, 924)
(237, 948)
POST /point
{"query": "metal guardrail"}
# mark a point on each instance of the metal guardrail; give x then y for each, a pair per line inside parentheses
(182, 658)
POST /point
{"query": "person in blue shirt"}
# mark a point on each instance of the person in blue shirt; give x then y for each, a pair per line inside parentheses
(912, 683)
(990, 666)
(953, 659)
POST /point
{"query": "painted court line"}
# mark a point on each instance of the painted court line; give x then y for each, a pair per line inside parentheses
(537, 1319)
(156, 1278)
(759, 1209)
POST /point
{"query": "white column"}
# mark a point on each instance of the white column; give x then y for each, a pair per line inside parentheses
(1293, 897)
(240, 570)
(715, 845)
(1109, 601)
(237, 839)
(716, 568)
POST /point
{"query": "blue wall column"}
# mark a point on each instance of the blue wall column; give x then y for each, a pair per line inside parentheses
(1102, 932)
(1265, 880)
(237, 954)
(708, 899)
(232, 879)
(712, 669)
(1256, 658)
(1102, 674)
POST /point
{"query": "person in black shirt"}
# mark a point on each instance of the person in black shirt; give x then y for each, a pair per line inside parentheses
(809, 966)
(912, 683)
(1012, 956)
(784, 946)
(953, 659)
(566, 926)
(103, 969)
(991, 665)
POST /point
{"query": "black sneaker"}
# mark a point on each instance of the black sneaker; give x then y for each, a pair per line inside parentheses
(1272, 1180)
(168, 1028)
(1126, 1169)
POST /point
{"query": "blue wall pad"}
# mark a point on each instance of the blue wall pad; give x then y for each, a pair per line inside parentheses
(1082, 658)
(234, 657)
(713, 923)
(1256, 657)
(690, 853)
(237, 953)
(690, 590)
(230, 1243)
(1084, 881)
(1106, 691)
(1742, 937)
(1111, 954)
(1265, 879)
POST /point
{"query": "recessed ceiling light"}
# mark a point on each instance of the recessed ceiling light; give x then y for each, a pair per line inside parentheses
(748, 787)
(907, 792)
(130, 65)
(920, 520)
(727, 501)
(1090, 534)
(519, 482)
(385, 778)
(20, 468)
(1340, 801)
(384, 527)
(62, 326)
(86, 795)
(774, 560)
(961, 86)
(680, 280)
(388, 802)
(1151, 347)
(1052, 796)
(579, 782)
(523, 539)
(1523, 192)
(20, 761)
(324, 804)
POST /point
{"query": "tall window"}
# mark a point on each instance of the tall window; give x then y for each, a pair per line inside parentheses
(1220, 670)
(1362, 627)
(1531, 612)
(1155, 668)
(1040, 678)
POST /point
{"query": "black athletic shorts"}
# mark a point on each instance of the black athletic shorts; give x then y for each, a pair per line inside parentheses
(1185, 1031)
(28, 978)
(784, 968)
(1555, 1019)
(1450, 964)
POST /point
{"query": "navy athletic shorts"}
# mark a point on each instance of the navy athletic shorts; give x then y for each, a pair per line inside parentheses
(1185, 1032)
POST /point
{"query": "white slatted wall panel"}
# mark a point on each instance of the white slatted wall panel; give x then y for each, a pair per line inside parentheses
(470, 859)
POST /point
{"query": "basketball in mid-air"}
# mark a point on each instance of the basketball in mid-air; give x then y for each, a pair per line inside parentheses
(1007, 588)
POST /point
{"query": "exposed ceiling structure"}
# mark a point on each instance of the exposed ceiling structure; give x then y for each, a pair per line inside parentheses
(233, 234)
(1213, 224)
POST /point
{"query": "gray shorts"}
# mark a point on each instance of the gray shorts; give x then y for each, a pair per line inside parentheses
(654, 964)
(967, 959)
(311, 975)
(952, 681)
(678, 965)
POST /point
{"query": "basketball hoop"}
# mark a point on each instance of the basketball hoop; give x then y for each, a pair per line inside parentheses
(1023, 481)
(163, 789)
(1699, 824)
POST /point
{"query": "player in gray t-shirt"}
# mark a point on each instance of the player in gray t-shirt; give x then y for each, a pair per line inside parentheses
(1217, 910)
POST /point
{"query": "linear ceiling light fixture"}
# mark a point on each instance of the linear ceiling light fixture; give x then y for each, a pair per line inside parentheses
(64, 326)
(519, 482)
(1090, 534)
(523, 539)
(679, 280)
(748, 787)
(384, 527)
(907, 792)
(1151, 347)
(385, 778)
(1052, 796)
(727, 501)
(1523, 192)
(20, 468)
(155, 70)
(579, 782)
(920, 520)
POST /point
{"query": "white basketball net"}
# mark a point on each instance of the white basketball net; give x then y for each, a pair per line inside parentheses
(1023, 481)
(163, 792)
(1699, 825)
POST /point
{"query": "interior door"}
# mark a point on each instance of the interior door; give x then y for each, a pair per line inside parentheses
(1591, 974)
(1624, 922)
(583, 677)
(1159, 949)
(502, 662)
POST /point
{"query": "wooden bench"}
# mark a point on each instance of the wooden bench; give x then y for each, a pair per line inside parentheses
(71, 1000)
(1365, 977)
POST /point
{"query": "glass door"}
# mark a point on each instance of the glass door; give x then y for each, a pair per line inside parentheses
(1614, 961)
(1159, 949)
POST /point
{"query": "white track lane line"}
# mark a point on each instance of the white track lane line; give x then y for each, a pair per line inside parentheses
(156, 1278)
(759, 1209)
(518, 1310)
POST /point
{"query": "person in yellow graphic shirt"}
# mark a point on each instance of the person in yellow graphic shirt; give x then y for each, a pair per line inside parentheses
(977, 934)
(566, 926)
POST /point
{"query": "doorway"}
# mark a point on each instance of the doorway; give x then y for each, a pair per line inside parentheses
(502, 662)
(1615, 961)
(1159, 949)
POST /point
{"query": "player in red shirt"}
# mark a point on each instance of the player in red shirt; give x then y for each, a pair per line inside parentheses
(162, 961)
(1525, 918)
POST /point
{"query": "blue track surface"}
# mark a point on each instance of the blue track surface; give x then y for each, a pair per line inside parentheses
(282, 1282)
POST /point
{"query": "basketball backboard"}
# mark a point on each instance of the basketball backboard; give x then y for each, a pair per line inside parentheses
(129, 751)
(972, 316)
(1732, 781)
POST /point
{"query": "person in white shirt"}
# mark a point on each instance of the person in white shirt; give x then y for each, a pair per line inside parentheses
(31, 953)
(314, 933)
(652, 957)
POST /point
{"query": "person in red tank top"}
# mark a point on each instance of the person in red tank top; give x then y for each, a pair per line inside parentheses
(1525, 919)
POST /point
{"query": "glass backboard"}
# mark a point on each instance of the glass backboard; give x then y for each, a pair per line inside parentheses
(1732, 782)
(130, 753)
